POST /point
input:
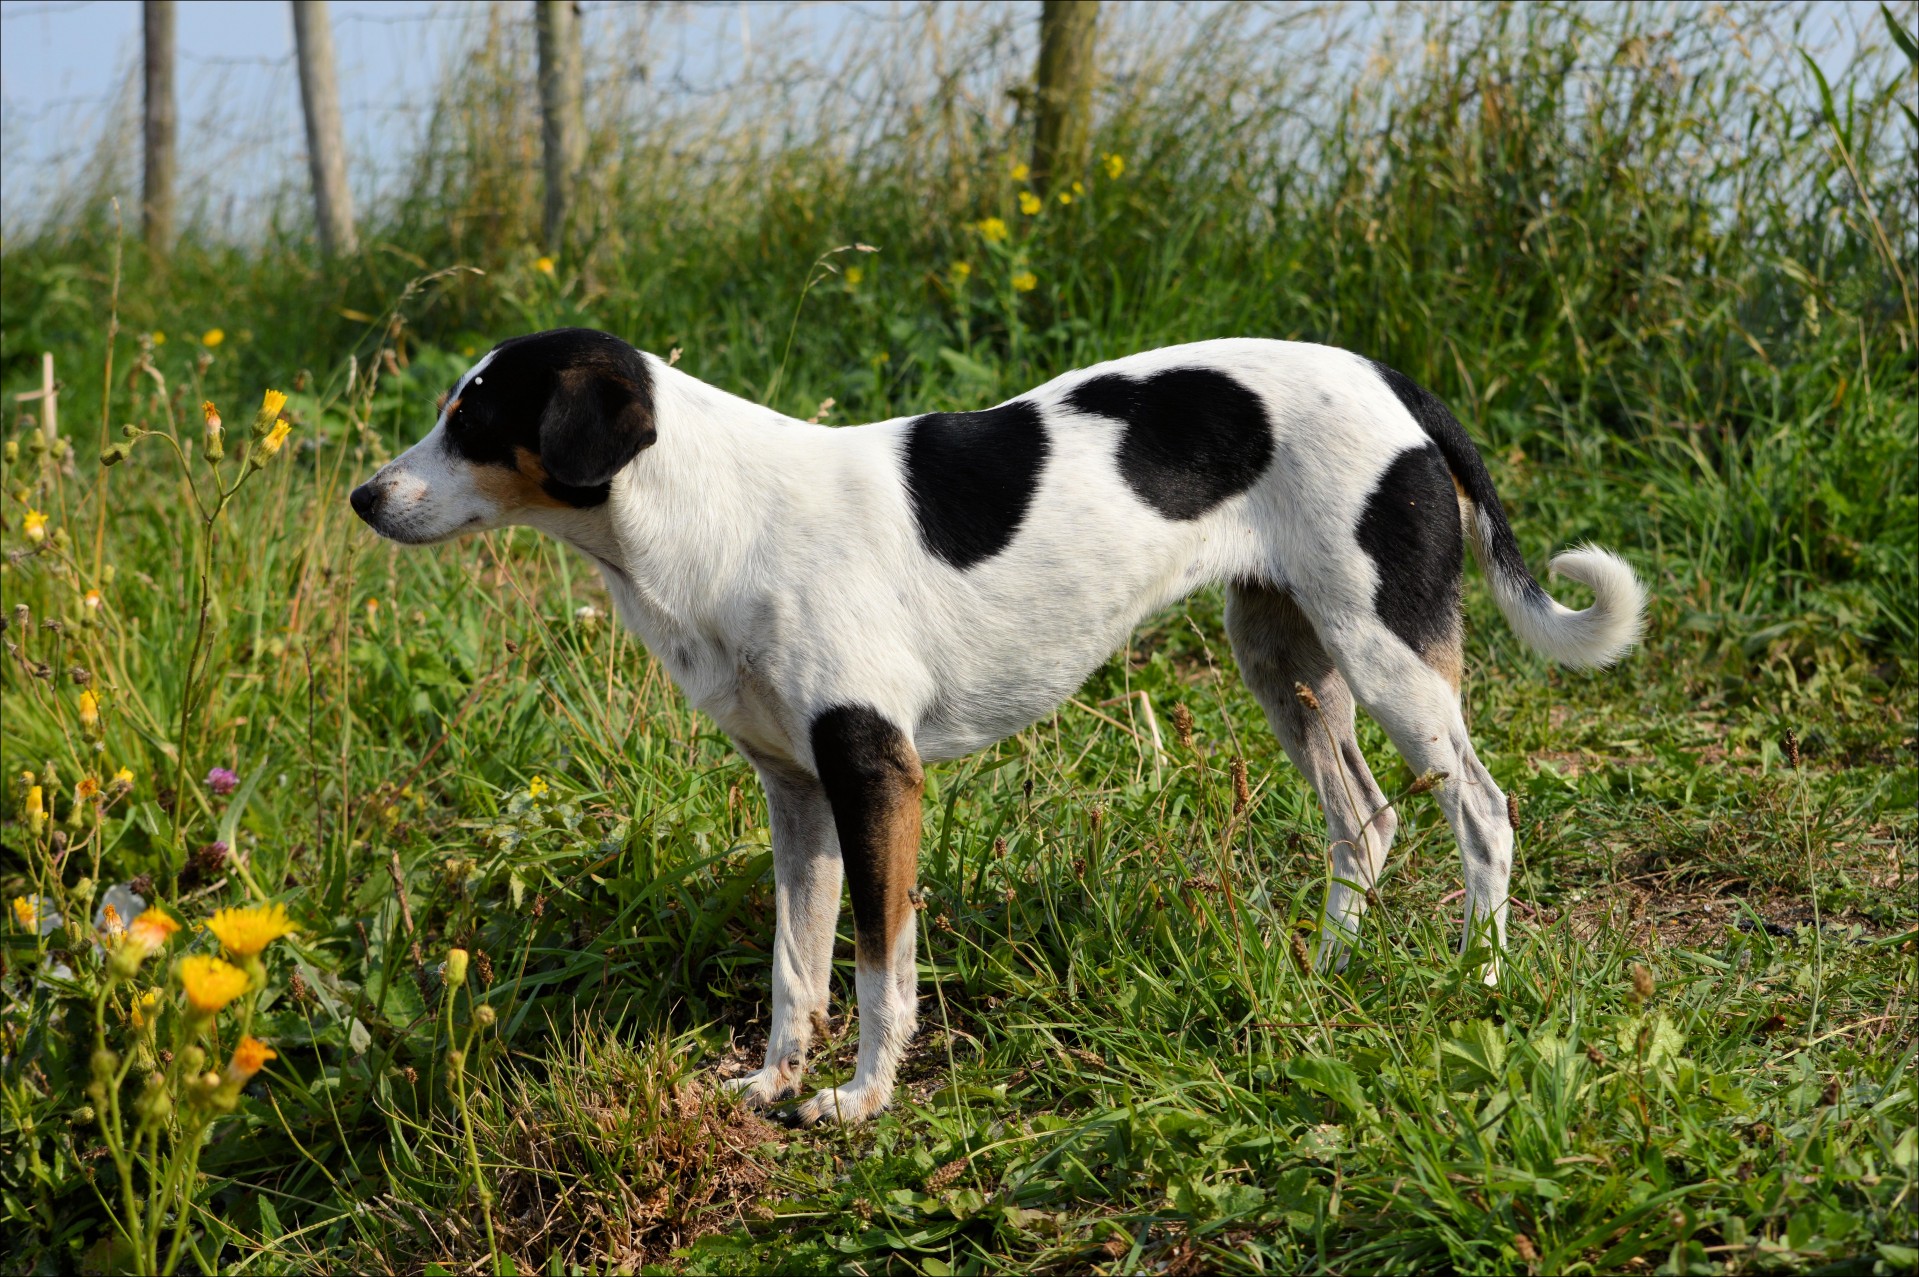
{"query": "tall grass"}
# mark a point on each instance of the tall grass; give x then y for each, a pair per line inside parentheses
(1662, 276)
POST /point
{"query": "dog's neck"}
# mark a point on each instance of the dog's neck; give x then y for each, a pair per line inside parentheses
(679, 529)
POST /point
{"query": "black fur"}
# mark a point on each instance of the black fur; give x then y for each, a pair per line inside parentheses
(1194, 437)
(580, 400)
(1463, 458)
(972, 476)
(866, 764)
(1410, 527)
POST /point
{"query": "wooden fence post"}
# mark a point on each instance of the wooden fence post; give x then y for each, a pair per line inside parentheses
(326, 153)
(1067, 33)
(156, 194)
(562, 116)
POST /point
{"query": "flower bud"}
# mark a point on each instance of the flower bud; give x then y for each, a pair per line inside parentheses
(105, 1064)
(82, 1115)
(485, 1016)
(36, 810)
(456, 960)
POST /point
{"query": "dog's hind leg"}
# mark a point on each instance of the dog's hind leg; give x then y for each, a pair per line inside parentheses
(1278, 652)
(871, 774)
(806, 872)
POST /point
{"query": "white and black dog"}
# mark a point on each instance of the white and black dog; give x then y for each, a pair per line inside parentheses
(850, 603)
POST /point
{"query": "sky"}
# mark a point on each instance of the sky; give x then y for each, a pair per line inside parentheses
(68, 67)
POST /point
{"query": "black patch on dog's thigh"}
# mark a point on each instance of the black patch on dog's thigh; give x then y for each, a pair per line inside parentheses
(1194, 437)
(1411, 530)
(972, 476)
(873, 780)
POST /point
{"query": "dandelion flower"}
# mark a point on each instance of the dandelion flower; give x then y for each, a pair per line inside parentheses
(1115, 165)
(245, 932)
(122, 780)
(151, 930)
(853, 276)
(210, 983)
(89, 712)
(1066, 197)
(249, 1057)
(36, 913)
(159, 338)
(222, 782)
(1025, 282)
(270, 405)
(1021, 172)
(213, 337)
(544, 265)
(961, 272)
(143, 1008)
(993, 230)
(536, 788)
(34, 525)
(1028, 203)
(274, 438)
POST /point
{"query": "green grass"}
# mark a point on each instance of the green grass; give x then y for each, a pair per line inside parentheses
(1672, 317)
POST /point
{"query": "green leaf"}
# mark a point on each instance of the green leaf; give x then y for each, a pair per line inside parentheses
(1901, 37)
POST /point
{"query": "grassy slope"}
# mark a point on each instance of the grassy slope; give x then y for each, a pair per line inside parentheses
(1124, 1062)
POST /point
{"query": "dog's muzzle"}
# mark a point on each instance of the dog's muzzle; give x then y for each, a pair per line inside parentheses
(366, 501)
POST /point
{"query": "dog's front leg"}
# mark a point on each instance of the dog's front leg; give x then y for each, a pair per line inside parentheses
(872, 777)
(806, 872)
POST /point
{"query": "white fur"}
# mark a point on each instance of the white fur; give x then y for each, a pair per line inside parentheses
(776, 569)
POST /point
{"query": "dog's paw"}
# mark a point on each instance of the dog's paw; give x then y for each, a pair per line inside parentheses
(841, 1105)
(768, 1086)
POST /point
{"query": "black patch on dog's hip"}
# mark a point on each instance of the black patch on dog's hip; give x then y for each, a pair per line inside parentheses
(972, 476)
(1411, 529)
(1194, 437)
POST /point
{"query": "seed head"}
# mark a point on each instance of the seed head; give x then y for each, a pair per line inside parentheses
(1242, 792)
(1183, 725)
(940, 1179)
(1512, 817)
(1306, 697)
(1642, 982)
(1791, 746)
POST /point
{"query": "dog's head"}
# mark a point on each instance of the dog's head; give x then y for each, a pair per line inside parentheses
(541, 423)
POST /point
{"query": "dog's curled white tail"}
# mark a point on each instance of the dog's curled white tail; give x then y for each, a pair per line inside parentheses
(1588, 637)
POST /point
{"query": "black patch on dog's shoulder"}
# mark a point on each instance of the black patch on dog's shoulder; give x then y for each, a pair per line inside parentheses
(1194, 437)
(972, 476)
(579, 399)
(1410, 528)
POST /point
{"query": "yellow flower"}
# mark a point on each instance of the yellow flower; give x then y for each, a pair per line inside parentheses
(1078, 189)
(536, 787)
(248, 1058)
(87, 788)
(544, 266)
(35, 525)
(274, 438)
(270, 404)
(212, 337)
(124, 777)
(1025, 282)
(89, 711)
(244, 932)
(992, 230)
(853, 276)
(27, 913)
(151, 930)
(1021, 172)
(210, 983)
(36, 809)
(1028, 203)
(159, 338)
(144, 1006)
(1066, 197)
(961, 272)
(1115, 165)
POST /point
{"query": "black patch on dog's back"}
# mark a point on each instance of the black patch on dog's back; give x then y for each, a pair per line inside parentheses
(972, 476)
(1410, 528)
(1194, 437)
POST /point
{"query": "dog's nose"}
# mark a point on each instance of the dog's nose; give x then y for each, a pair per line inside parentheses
(365, 501)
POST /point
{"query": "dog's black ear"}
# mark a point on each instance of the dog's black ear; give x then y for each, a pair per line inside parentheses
(598, 418)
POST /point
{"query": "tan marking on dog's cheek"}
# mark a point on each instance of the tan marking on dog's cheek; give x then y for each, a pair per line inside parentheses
(521, 488)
